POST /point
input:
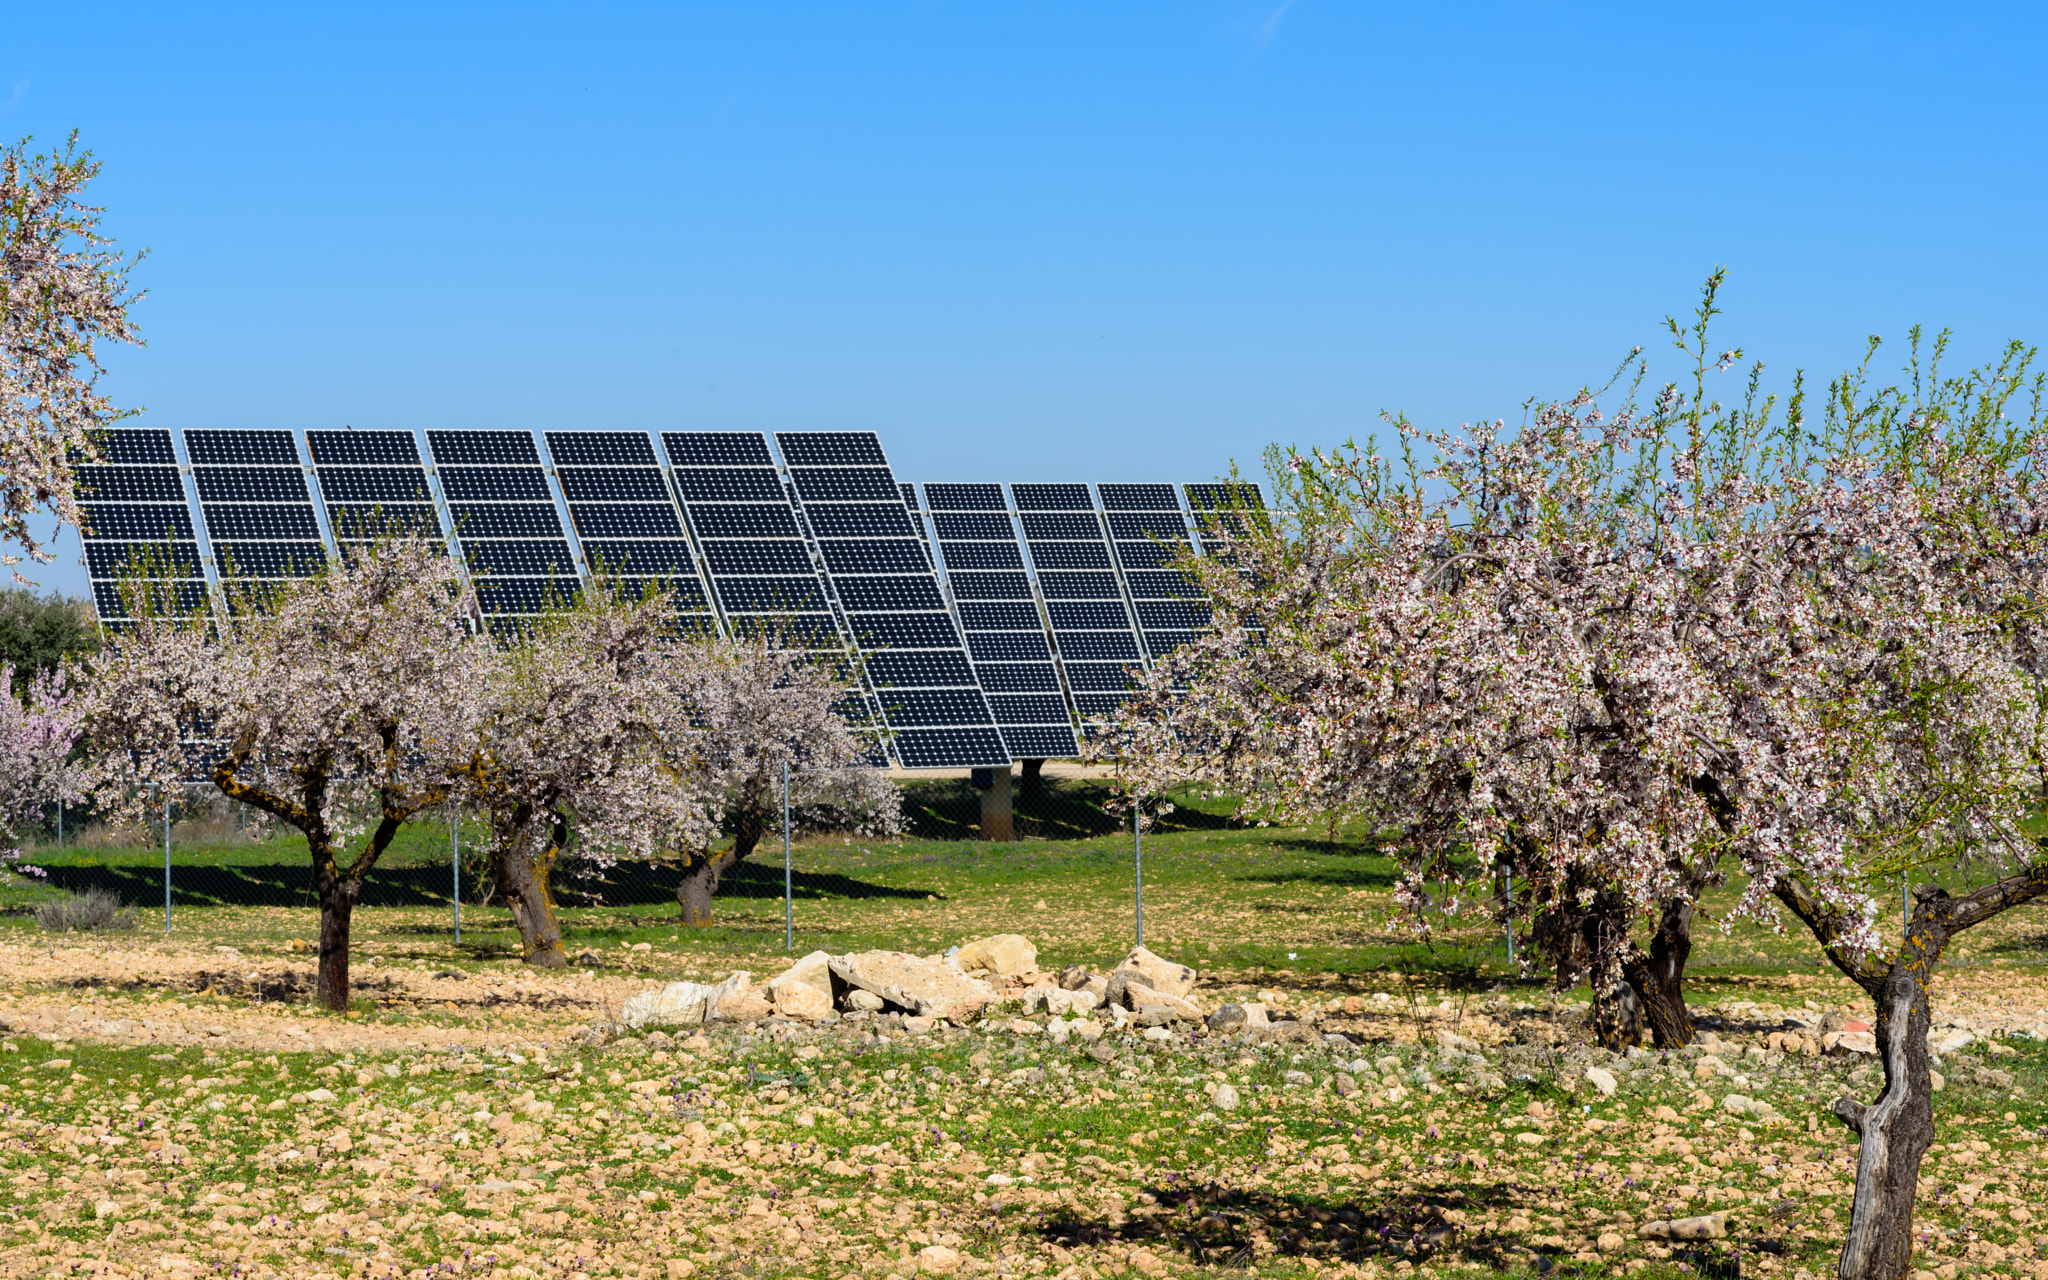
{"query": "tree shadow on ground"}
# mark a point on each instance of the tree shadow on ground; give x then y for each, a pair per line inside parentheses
(1214, 1224)
(289, 885)
(1061, 809)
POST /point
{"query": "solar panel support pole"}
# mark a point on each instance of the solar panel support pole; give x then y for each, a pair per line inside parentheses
(455, 861)
(1138, 864)
(788, 881)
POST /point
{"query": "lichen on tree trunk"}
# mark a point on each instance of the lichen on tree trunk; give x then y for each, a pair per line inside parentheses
(525, 883)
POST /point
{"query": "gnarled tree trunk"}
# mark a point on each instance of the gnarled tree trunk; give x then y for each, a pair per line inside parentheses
(707, 867)
(524, 882)
(1656, 979)
(1895, 1132)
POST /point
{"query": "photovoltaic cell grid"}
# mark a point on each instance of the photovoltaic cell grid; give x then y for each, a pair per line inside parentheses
(755, 555)
(1222, 511)
(138, 525)
(503, 516)
(999, 615)
(882, 574)
(1083, 599)
(1148, 532)
(374, 485)
(625, 517)
(255, 504)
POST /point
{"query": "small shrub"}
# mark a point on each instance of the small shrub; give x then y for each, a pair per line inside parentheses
(93, 911)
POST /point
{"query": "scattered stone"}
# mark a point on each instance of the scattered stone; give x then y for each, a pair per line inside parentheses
(1845, 1043)
(1608, 1242)
(1346, 1085)
(1008, 954)
(929, 988)
(1297, 1079)
(1101, 1053)
(1951, 1041)
(864, 1001)
(1138, 996)
(297, 946)
(814, 970)
(588, 960)
(319, 1095)
(105, 1209)
(938, 1260)
(1603, 1080)
(642, 947)
(1225, 1098)
(745, 1005)
(1938, 1080)
(1711, 1226)
(1074, 977)
(1741, 1105)
(1448, 1039)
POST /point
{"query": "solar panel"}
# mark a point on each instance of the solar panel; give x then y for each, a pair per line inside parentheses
(504, 520)
(1224, 512)
(373, 484)
(1151, 533)
(138, 528)
(255, 504)
(759, 568)
(1005, 635)
(876, 565)
(1091, 623)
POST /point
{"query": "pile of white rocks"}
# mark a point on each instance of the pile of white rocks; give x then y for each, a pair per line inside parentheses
(979, 979)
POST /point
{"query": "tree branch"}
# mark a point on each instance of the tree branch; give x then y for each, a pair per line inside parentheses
(1828, 927)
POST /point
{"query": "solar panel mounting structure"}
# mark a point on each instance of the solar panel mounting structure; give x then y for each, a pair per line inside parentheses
(138, 527)
(626, 518)
(1084, 601)
(256, 506)
(374, 484)
(504, 519)
(1149, 532)
(999, 614)
(882, 574)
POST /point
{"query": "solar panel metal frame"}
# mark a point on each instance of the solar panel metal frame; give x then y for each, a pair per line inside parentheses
(1080, 624)
(1146, 522)
(144, 459)
(1014, 685)
(511, 460)
(241, 462)
(366, 461)
(631, 455)
(934, 725)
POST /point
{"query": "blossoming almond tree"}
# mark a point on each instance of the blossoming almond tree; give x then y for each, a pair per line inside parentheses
(757, 708)
(39, 725)
(586, 735)
(341, 707)
(63, 289)
(1624, 653)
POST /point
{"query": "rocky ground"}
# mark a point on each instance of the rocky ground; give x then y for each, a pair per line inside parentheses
(174, 1108)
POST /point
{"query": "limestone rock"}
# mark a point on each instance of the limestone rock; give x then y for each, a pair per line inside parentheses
(1156, 972)
(928, 988)
(814, 970)
(864, 1001)
(1952, 1041)
(679, 1004)
(1231, 1017)
(1603, 1080)
(938, 1260)
(1057, 1001)
(1711, 1226)
(744, 1006)
(1740, 1105)
(1225, 1098)
(1847, 1043)
(1008, 954)
(1138, 997)
(796, 998)
(1075, 976)
(1608, 1242)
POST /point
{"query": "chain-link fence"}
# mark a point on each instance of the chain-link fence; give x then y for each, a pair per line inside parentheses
(208, 853)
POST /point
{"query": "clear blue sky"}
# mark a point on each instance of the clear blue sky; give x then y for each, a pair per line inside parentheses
(1048, 241)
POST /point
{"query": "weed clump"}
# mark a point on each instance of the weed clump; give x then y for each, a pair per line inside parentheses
(90, 911)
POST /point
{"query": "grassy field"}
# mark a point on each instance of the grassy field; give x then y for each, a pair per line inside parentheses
(463, 1132)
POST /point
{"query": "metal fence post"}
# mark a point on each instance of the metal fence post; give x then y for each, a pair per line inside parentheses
(788, 896)
(1138, 865)
(455, 861)
(167, 863)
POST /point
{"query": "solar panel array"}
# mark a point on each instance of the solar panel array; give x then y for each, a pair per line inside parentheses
(830, 549)
(505, 521)
(998, 611)
(759, 563)
(374, 485)
(625, 517)
(1091, 621)
(882, 574)
(1149, 533)
(254, 501)
(138, 525)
